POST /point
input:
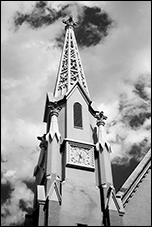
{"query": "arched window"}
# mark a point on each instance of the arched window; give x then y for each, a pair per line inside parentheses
(77, 115)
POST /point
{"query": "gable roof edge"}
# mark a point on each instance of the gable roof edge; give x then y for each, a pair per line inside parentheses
(130, 185)
(83, 91)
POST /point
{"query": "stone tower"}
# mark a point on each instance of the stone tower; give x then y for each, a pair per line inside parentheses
(73, 179)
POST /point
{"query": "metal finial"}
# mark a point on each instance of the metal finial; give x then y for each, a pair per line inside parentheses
(100, 118)
(69, 22)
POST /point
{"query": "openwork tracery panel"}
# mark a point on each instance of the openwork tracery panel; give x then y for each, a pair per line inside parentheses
(70, 70)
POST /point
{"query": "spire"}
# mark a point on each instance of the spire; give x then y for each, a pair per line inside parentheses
(70, 68)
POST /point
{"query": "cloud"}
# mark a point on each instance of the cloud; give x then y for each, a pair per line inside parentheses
(32, 69)
(143, 87)
(11, 211)
(23, 92)
(5, 191)
(92, 22)
(20, 154)
(130, 130)
(7, 14)
(93, 25)
(42, 14)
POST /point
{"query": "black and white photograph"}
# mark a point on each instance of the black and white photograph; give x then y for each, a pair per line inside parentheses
(75, 113)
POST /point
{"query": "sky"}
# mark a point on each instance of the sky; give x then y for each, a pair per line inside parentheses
(114, 40)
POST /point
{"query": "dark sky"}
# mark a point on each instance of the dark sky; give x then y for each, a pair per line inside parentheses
(121, 173)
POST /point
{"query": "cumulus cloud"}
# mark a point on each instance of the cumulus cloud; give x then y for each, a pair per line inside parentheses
(41, 15)
(20, 155)
(130, 129)
(92, 22)
(93, 26)
(11, 211)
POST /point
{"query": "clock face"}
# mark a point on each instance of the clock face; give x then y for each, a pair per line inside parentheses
(81, 155)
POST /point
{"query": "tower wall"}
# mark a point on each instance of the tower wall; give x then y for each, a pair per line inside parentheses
(80, 203)
(80, 194)
(84, 134)
(62, 122)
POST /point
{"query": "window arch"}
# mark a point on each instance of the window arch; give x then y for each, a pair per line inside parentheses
(77, 109)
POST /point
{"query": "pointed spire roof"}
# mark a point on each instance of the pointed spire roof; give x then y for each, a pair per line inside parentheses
(70, 68)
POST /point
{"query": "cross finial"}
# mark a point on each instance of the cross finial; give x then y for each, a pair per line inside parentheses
(69, 22)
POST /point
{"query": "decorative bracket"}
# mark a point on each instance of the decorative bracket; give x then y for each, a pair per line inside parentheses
(100, 118)
(54, 109)
(43, 140)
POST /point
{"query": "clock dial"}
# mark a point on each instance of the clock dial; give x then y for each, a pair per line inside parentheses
(80, 155)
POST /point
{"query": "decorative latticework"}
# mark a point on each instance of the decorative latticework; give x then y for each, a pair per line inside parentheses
(70, 68)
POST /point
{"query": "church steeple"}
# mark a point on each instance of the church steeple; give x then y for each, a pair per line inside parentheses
(70, 68)
(73, 178)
